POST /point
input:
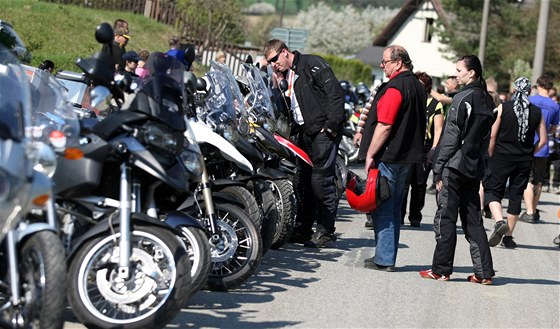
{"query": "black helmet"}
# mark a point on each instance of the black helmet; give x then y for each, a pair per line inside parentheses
(345, 84)
(361, 88)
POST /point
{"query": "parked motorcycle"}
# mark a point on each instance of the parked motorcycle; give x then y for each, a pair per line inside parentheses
(32, 271)
(126, 269)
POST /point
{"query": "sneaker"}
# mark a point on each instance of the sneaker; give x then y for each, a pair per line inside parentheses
(474, 279)
(428, 274)
(556, 190)
(545, 188)
(320, 240)
(529, 218)
(369, 263)
(369, 223)
(500, 229)
(508, 242)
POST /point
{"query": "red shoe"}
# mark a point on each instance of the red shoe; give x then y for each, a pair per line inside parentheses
(428, 274)
(474, 279)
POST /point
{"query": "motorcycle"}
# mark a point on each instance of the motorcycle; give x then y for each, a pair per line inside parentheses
(32, 273)
(126, 268)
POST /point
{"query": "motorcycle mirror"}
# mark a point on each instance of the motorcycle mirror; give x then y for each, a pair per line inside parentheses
(190, 53)
(200, 84)
(283, 85)
(190, 82)
(100, 98)
(104, 33)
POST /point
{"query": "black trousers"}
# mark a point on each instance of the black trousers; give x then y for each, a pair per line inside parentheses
(315, 186)
(459, 196)
(418, 177)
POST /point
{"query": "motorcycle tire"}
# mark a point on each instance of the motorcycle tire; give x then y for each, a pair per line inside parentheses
(158, 286)
(267, 204)
(239, 252)
(286, 204)
(198, 250)
(250, 205)
(341, 171)
(42, 275)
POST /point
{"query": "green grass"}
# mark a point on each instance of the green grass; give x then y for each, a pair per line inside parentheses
(62, 33)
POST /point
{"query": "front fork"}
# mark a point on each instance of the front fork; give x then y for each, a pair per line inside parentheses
(124, 221)
(209, 205)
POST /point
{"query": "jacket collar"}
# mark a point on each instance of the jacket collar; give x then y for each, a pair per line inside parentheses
(297, 56)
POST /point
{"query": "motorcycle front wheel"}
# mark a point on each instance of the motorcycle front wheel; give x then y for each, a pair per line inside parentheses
(158, 284)
(42, 275)
(198, 249)
(238, 252)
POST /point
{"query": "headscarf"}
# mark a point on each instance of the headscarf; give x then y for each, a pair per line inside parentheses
(521, 105)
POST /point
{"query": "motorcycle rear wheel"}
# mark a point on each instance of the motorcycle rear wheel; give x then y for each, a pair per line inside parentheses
(284, 195)
(158, 285)
(42, 275)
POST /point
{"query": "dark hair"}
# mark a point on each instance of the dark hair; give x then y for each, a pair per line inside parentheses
(47, 65)
(545, 82)
(426, 80)
(473, 63)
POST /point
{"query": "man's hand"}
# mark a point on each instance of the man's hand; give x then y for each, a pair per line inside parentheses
(370, 164)
(439, 185)
(357, 139)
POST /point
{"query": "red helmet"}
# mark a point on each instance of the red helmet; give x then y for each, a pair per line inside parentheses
(369, 197)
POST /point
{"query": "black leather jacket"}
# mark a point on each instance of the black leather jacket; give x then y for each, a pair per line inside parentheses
(466, 135)
(319, 95)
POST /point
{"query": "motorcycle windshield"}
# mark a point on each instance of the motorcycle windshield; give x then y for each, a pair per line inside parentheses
(162, 94)
(238, 104)
(52, 111)
(15, 98)
(219, 101)
(259, 98)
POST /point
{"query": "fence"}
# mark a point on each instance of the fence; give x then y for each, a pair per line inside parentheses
(165, 11)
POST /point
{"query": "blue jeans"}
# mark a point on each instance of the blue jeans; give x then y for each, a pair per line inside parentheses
(387, 218)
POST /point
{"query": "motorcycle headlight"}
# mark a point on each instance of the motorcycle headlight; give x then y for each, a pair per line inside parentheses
(229, 133)
(192, 160)
(161, 137)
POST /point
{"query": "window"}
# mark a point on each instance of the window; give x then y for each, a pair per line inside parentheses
(428, 30)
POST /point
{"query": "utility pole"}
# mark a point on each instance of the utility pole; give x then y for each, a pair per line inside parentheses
(483, 32)
(538, 61)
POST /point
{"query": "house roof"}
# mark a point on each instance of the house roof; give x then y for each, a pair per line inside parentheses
(371, 55)
(382, 39)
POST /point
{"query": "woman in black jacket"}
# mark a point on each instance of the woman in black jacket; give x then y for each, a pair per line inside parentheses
(458, 170)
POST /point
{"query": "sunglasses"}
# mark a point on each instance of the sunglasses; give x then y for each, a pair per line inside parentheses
(275, 58)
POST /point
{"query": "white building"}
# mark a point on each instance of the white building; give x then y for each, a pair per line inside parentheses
(412, 28)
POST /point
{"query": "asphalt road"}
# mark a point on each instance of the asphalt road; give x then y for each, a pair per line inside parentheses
(329, 288)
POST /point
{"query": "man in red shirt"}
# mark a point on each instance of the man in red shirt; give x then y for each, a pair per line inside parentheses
(392, 142)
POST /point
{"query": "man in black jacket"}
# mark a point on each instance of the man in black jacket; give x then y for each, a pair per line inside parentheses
(317, 105)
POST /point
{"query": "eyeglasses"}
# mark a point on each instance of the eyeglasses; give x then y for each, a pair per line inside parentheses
(384, 62)
(275, 58)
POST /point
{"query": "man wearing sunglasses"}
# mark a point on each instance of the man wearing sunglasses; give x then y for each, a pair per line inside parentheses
(317, 106)
(118, 48)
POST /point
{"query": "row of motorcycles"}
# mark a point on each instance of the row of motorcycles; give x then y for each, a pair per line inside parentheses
(124, 205)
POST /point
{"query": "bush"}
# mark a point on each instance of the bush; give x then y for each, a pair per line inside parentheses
(349, 69)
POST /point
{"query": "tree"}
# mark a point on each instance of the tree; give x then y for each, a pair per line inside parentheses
(341, 32)
(213, 20)
(512, 29)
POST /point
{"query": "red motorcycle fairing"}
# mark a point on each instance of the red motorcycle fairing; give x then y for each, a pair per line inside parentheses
(294, 148)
